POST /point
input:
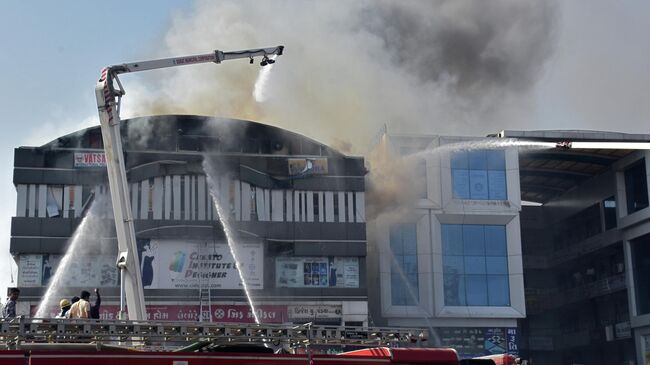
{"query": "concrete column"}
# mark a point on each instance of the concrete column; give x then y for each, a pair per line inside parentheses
(168, 197)
(201, 197)
(21, 200)
(144, 199)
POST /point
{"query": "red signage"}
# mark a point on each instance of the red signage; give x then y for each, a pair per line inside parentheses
(220, 313)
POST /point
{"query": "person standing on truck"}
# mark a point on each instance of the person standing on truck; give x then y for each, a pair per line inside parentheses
(81, 309)
(94, 309)
(9, 309)
(72, 302)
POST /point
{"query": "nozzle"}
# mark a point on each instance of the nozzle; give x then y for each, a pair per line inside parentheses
(564, 145)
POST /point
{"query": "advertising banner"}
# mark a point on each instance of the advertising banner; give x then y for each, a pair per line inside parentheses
(82, 272)
(221, 313)
(176, 264)
(312, 272)
(89, 159)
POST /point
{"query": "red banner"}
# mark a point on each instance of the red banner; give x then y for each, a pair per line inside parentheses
(220, 313)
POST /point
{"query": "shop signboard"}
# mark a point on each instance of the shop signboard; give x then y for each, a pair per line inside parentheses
(314, 311)
(223, 313)
(623, 330)
(89, 159)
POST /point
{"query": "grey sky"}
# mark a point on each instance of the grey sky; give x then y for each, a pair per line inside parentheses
(596, 76)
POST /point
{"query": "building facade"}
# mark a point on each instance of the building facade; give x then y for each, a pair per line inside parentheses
(295, 210)
(517, 247)
(583, 250)
(450, 258)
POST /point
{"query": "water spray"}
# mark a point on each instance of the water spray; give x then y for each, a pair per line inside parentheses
(83, 233)
(223, 216)
(259, 91)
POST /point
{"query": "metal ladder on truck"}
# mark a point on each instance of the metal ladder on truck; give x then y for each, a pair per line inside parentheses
(17, 331)
(205, 292)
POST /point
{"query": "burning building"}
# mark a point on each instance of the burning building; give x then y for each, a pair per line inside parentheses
(497, 244)
(295, 206)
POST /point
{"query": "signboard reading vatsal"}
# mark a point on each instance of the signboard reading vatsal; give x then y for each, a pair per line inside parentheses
(176, 264)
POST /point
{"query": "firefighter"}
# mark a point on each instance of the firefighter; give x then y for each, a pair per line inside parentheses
(65, 305)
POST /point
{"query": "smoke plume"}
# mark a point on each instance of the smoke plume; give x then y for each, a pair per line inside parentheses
(463, 67)
(350, 67)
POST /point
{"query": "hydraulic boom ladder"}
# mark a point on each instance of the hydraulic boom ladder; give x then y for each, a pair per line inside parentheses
(109, 93)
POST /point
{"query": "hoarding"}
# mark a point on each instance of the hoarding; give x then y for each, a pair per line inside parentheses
(180, 264)
(313, 272)
(81, 272)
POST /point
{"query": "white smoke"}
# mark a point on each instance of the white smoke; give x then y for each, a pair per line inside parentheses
(350, 67)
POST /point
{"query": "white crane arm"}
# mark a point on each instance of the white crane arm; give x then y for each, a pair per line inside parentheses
(108, 103)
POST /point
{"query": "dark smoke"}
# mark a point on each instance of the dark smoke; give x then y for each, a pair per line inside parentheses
(477, 46)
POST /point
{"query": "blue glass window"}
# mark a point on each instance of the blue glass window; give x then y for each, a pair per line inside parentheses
(476, 290)
(475, 265)
(404, 267)
(479, 175)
